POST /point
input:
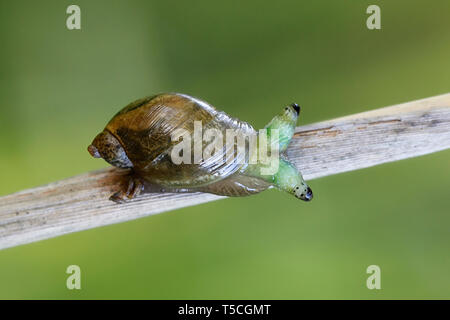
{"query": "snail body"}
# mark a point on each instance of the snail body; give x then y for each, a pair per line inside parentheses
(140, 137)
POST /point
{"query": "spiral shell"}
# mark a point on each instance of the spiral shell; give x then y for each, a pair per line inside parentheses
(144, 129)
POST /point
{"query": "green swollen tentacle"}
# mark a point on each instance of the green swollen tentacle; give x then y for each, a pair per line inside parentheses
(287, 178)
(285, 123)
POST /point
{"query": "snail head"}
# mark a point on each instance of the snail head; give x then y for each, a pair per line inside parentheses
(106, 146)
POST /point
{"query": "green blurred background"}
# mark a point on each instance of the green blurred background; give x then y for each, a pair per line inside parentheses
(58, 88)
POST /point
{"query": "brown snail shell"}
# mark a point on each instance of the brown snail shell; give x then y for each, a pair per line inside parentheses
(144, 129)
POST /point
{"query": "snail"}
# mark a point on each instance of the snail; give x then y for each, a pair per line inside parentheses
(140, 138)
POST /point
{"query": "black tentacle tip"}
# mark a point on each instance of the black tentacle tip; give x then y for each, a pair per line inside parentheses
(308, 195)
(296, 108)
